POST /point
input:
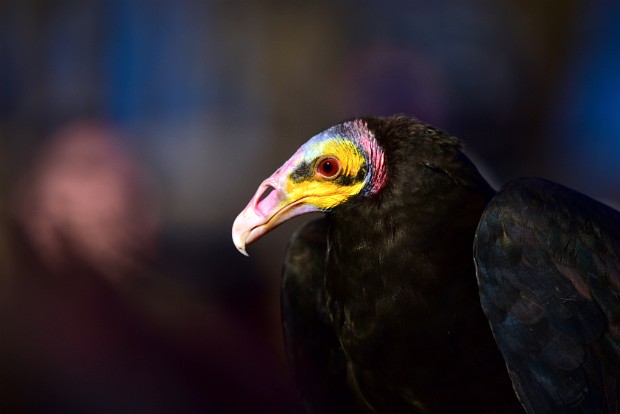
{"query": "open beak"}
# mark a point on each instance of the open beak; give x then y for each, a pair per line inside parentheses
(269, 208)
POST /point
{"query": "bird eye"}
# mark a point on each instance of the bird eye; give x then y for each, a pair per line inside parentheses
(328, 167)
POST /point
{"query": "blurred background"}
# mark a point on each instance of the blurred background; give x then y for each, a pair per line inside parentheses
(132, 132)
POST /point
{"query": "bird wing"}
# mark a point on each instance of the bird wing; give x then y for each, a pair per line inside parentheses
(312, 347)
(548, 268)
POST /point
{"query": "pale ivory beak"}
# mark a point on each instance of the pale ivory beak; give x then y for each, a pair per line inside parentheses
(268, 208)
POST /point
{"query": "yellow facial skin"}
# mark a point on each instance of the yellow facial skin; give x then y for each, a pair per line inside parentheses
(298, 187)
(326, 193)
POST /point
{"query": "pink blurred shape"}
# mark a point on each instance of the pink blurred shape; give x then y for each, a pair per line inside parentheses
(87, 200)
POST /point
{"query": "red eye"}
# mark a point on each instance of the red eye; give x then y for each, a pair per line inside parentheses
(328, 167)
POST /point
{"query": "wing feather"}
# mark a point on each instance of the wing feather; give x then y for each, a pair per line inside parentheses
(548, 268)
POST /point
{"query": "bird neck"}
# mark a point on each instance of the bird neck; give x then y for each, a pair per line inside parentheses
(417, 236)
(422, 223)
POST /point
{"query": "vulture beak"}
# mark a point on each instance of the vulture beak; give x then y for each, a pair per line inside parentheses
(270, 207)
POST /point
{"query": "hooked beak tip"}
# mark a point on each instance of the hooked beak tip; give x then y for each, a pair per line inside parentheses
(242, 251)
(240, 236)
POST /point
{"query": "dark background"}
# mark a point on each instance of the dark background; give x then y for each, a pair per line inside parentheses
(132, 132)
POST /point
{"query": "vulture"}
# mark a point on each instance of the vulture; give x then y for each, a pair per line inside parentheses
(424, 290)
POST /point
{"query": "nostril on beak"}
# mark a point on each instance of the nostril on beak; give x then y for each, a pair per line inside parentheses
(265, 204)
(265, 194)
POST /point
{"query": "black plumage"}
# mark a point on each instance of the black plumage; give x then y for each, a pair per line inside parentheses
(382, 309)
(312, 348)
(549, 270)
